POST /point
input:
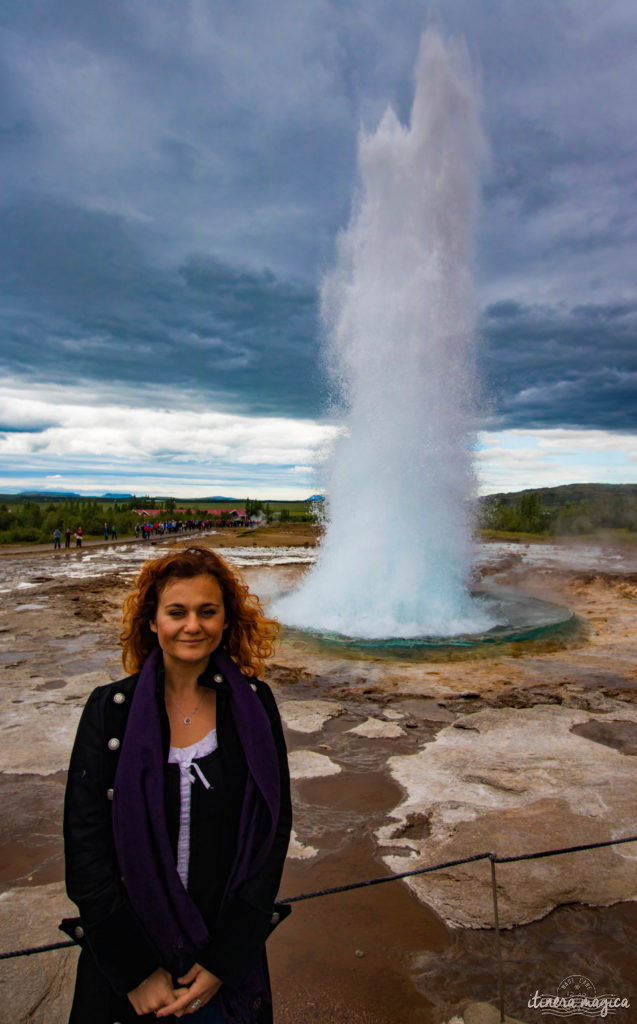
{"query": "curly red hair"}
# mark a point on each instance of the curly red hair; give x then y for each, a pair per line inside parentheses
(250, 637)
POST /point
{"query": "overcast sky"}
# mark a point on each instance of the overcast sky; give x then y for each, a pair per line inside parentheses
(175, 175)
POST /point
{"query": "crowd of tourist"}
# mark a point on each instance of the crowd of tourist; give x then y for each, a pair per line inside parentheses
(78, 534)
(158, 529)
(147, 529)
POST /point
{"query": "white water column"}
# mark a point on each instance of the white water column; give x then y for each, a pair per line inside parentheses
(399, 313)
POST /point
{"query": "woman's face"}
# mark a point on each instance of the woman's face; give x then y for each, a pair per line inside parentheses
(190, 620)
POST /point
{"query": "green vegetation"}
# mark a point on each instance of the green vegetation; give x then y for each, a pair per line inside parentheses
(32, 518)
(571, 510)
(283, 511)
(24, 522)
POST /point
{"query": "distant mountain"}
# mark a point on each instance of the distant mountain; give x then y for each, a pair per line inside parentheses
(565, 494)
(115, 497)
(316, 497)
(216, 497)
(565, 510)
(47, 494)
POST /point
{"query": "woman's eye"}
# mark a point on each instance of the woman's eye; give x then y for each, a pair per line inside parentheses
(175, 614)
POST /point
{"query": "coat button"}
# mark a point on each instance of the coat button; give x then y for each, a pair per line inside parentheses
(78, 932)
(109, 794)
(217, 678)
(276, 917)
(118, 698)
(254, 686)
(113, 744)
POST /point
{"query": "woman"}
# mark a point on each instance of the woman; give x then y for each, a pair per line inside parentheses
(177, 814)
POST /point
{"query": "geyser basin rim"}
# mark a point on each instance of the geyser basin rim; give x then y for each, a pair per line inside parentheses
(526, 618)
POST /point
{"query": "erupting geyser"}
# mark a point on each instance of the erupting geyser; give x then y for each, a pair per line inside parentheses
(399, 312)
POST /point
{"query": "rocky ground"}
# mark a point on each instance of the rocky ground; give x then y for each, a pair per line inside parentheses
(396, 765)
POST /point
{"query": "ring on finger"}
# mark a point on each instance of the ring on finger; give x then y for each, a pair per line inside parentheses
(196, 1003)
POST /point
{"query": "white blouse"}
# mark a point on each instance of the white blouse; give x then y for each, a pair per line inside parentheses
(185, 757)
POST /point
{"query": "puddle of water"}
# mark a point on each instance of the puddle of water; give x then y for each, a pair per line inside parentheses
(22, 573)
(596, 942)
(31, 849)
(316, 973)
(364, 794)
(621, 735)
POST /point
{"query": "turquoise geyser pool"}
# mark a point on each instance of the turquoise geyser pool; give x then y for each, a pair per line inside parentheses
(519, 619)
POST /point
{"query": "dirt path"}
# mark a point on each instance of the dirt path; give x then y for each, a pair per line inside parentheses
(275, 534)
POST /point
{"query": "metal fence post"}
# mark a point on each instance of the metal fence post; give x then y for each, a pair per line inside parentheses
(492, 859)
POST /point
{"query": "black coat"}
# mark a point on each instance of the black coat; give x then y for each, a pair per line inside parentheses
(117, 954)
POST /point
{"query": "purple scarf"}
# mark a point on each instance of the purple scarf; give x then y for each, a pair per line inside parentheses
(141, 835)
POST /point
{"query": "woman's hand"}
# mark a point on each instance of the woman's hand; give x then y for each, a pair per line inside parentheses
(202, 986)
(153, 993)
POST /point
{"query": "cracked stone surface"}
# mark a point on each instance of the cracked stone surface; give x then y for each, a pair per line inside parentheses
(375, 727)
(39, 725)
(307, 764)
(308, 715)
(298, 850)
(518, 780)
(37, 988)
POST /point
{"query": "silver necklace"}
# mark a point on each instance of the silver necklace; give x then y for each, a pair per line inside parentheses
(188, 716)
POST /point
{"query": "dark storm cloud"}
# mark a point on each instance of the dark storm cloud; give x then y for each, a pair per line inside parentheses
(176, 174)
(554, 368)
(87, 306)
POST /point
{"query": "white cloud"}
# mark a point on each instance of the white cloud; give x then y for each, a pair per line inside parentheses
(56, 439)
(172, 449)
(512, 460)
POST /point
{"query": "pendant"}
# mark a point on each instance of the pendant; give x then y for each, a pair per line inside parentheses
(187, 720)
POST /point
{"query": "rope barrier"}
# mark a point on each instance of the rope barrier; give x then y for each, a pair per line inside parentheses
(382, 879)
(37, 949)
(454, 863)
(565, 849)
(492, 857)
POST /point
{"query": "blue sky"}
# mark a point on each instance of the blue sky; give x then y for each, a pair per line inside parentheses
(175, 176)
